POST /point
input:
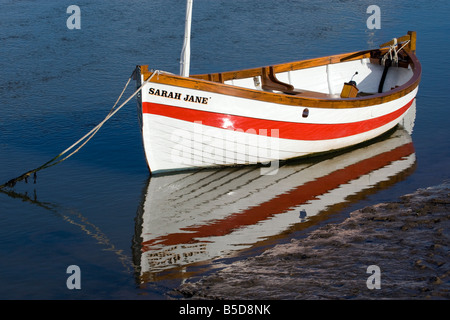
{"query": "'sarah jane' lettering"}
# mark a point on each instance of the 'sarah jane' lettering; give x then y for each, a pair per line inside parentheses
(164, 93)
(177, 96)
(196, 99)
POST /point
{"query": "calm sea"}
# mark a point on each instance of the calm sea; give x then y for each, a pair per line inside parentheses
(136, 237)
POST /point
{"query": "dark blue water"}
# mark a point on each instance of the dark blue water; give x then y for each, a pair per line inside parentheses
(56, 84)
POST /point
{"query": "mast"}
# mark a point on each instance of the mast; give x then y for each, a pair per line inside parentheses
(186, 51)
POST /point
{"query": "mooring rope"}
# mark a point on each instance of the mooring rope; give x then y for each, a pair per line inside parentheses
(392, 54)
(88, 136)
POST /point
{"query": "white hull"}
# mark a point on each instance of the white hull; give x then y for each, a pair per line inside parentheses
(176, 144)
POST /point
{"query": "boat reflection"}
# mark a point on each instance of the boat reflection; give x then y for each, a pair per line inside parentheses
(194, 217)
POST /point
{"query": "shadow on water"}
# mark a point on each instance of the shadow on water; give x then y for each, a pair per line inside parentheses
(188, 220)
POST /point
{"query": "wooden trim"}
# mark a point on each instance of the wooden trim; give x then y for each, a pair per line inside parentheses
(399, 40)
(412, 44)
(202, 82)
(411, 36)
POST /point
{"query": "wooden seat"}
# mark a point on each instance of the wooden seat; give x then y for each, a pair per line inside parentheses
(269, 81)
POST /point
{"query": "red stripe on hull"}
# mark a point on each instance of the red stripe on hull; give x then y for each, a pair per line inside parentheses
(287, 130)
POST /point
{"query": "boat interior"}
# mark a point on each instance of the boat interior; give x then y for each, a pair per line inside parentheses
(341, 76)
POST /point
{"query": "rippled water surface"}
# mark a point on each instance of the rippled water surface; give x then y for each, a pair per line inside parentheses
(137, 237)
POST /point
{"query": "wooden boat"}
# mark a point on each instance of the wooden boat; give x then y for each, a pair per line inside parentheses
(276, 112)
(197, 216)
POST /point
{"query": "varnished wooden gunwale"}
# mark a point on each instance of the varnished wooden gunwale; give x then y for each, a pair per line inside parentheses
(214, 82)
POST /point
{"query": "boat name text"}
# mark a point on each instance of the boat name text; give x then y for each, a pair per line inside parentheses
(177, 96)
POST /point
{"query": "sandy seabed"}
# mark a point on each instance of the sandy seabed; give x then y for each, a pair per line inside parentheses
(408, 240)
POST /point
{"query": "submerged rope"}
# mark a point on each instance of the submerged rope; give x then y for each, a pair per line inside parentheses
(88, 136)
